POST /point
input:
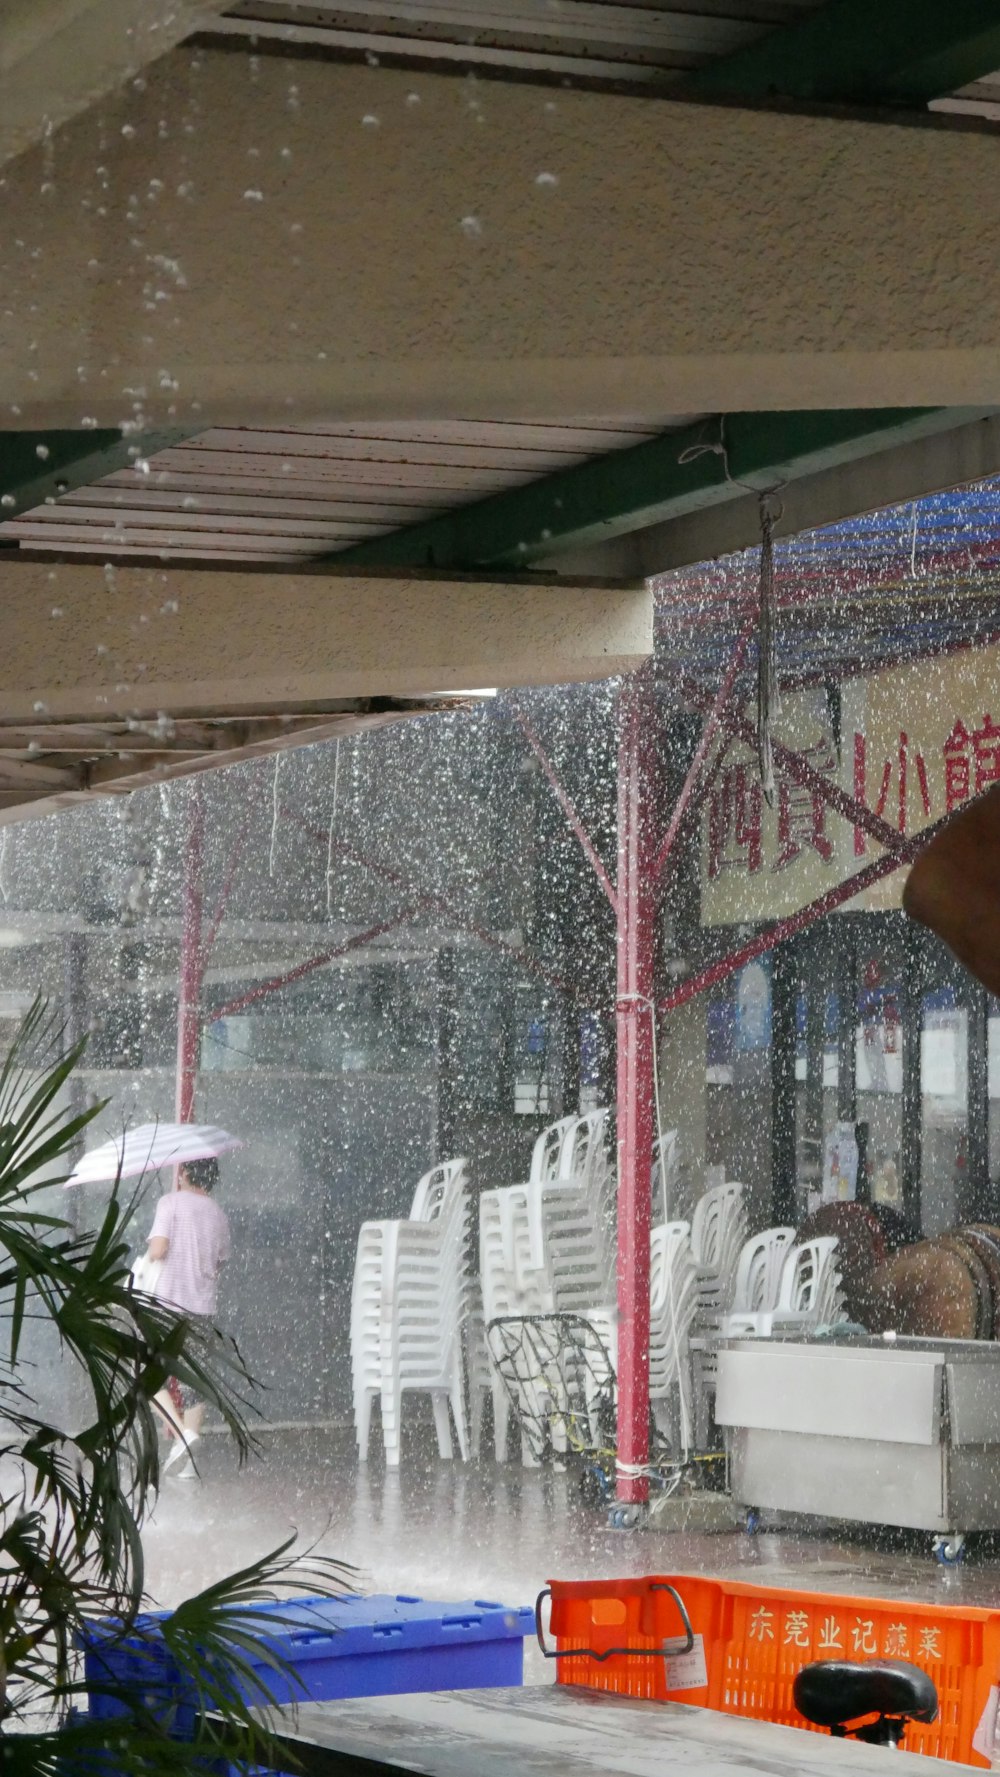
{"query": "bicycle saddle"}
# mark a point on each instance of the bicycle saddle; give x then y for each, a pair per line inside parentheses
(832, 1693)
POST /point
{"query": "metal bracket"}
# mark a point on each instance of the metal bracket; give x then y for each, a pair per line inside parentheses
(667, 1651)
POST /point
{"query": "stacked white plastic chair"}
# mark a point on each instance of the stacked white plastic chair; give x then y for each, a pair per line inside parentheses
(511, 1288)
(665, 1181)
(477, 1363)
(409, 1308)
(758, 1280)
(548, 1246)
(786, 1288)
(673, 1304)
(810, 1293)
(718, 1233)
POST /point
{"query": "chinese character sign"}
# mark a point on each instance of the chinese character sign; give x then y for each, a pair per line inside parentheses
(911, 745)
(761, 861)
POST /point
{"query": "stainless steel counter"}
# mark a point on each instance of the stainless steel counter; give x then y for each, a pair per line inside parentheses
(904, 1433)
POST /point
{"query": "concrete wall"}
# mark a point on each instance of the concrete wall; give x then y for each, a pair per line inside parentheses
(254, 238)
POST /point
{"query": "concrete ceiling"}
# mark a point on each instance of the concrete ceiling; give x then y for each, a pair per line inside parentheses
(279, 288)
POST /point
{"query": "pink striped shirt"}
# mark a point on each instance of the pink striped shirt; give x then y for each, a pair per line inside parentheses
(197, 1233)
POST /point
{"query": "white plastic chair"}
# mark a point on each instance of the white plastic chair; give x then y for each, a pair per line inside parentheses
(718, 1233)
(666, 1174)
(673, 1303)
(807, 1283)
(409, 1305)
(759, 1268)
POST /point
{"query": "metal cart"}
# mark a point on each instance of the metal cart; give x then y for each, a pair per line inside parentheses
(883, 1431)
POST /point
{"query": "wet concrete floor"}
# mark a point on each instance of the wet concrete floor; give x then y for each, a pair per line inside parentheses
(483, 1530)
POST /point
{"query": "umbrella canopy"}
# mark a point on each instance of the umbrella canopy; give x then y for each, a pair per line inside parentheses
(149, 1147)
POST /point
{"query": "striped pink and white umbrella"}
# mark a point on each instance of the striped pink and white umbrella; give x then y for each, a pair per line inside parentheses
(149, 1147)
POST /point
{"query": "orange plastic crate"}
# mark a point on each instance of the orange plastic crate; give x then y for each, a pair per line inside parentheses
(755, 1639)
(636, 1614)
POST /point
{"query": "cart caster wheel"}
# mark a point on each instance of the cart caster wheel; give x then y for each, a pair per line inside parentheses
(949, 1551)
(751, 1522)
(625, 1517)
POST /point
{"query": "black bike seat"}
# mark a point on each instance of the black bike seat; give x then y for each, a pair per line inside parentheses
(833, 1692)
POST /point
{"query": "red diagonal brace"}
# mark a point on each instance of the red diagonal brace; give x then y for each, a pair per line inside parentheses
(569, 810)
(443, 903)
(805, 774)
(720, 970)
(708, 733)
(358, 942)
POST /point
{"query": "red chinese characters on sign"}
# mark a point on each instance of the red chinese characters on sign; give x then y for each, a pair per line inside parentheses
(735, 817)
(802, 812)
(896, 775)
(971, 761)
(735, 839)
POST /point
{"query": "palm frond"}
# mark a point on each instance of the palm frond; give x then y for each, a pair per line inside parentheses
(71, 1521)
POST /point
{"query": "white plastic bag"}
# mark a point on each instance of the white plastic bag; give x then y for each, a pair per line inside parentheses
(146, 1274)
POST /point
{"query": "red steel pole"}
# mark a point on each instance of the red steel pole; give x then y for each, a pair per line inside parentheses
(192, 961)
(636, 904)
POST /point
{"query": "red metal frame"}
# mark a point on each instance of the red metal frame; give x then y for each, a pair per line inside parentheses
(359, 940)
(795, 766)
(524, 958)
(635, 1015)
(795, 922)
(565, 802)
(715, 718)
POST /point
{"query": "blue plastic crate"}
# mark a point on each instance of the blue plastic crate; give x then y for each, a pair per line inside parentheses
(338, 1647)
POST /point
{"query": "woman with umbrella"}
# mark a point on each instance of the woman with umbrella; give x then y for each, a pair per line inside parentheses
(189, 1242)
(190, 1237)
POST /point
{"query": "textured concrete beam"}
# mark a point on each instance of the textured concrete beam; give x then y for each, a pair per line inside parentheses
(271, 240)
(57, 57)
(135, 641)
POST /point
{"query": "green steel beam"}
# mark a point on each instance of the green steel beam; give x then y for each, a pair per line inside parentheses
(628, 490)
(39, 467)
(889, 51)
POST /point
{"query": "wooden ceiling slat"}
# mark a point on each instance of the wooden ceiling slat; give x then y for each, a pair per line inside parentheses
(115, 521)
(396, 504)
(198, 499)
(585, 437)
(377, 474)
(57, 536)
(291, 446)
